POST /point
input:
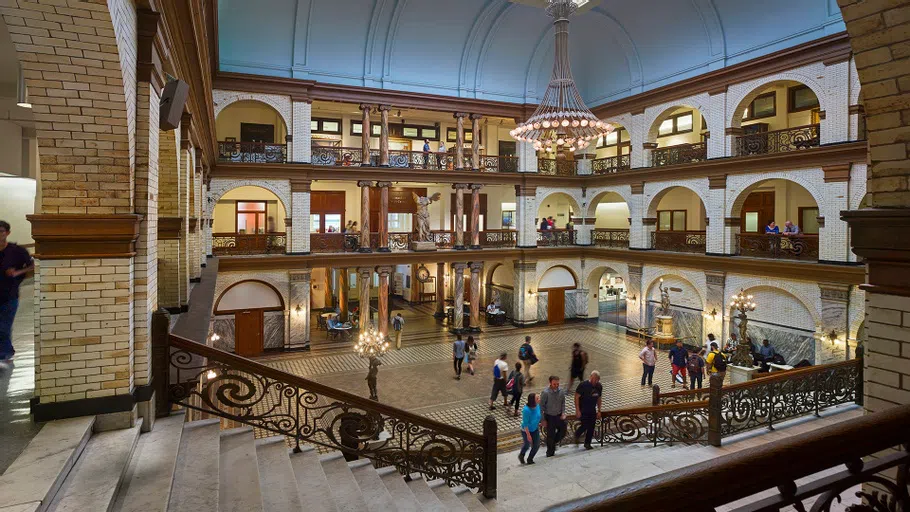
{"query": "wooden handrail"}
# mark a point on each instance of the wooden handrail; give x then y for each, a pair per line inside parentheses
(656, 408)
(814, 125)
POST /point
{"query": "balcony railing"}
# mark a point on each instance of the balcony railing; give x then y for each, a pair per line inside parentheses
(557, 166)
(680, 154)
(336, 156)
(235, 244)
(498, 238)
(412, 160)
(784, 247)
(252, 152)
(777, 141)
(680, 241)
(611, 164)
(555, 237)
(613, 238)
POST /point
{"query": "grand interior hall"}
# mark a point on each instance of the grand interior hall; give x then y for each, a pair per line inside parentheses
(436, 255)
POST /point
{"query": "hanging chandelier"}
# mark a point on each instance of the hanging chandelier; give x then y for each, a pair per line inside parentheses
(562, 120)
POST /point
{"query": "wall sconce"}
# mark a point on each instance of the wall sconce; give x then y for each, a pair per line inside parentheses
(214, 337)
(298, 309)
(712, 315)
(532, 293)
(633, 298)
(832, 336)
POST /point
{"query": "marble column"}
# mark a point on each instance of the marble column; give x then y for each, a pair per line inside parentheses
(524, 300)
(440, 290)
(715, 300)
(458, 295)
(365, 215)
(635, 298)
(459, 215)
(384, 273)
(475, 216)
(344, 288)
(365, 275)
(475, 141)
(384, 135)
(299, 318)
(383, 227)
(835, 299)
(365, 135)
(459, 140)
(476, 271)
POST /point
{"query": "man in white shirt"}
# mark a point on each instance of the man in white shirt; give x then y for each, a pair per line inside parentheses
(648, 361)
(500, 371)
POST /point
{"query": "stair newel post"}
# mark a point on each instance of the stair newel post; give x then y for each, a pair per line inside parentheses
(771, 395)
(489, 465)
(655, 395)
(715, 413)
(297, 423)
(858, 399)
(815, 392)
(161, 353)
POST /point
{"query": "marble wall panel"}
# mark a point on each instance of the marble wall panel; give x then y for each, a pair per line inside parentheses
(273, 330)
(503, 297)
(224, 327)
(686, 323)
(542, 306)
(794, 345)
(571, 304)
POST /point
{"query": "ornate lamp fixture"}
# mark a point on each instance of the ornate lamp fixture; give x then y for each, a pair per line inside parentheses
(562, 120)
(371, 344)
(743, 303)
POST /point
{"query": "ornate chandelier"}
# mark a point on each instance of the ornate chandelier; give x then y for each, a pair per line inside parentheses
(371, 344)
(562, 119)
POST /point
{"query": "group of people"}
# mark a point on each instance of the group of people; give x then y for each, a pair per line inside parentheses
(684, 364)
(548, 224)
(789, 229)
(350, 227)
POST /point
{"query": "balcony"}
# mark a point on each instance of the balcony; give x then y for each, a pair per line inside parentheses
(679, 154)
(611, 164)
(782, 247)
(695, 242)
(777, 141)
(557, 166)
(252, 152)
(555, 237)
(401, 242)
(398, 159)
(610, 238)
(236, 244)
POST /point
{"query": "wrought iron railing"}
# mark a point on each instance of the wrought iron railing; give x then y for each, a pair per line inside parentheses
(334, 242)
(777, 141)
(499, 238)
(240, 390)
(252, 152)
(232, 244)
(337, 156)
(443, 239)
(557, 166)
(555, 237)
(611, 164)
(680, 241)
(615, 238)
(679, 154)
(785, 247)
(398, 242)
(431, 161)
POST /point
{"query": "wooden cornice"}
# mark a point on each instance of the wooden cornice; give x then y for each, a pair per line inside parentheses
(879, 236)
(170, 228)
(76, 236)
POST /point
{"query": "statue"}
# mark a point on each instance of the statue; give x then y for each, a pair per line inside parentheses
(664, 299)
(424, 242)
(371, 377)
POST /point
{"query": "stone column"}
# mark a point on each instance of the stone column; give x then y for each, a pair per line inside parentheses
(301, 149)
(581, 302)
(714, 210)
(366, 281)
(459, 140)
(440, 290)
(384, 215)
(344, 288)
(459, 215)
(525, 293)
(299, 318)
(475, 141)
(526, 213)
(476, 272)
(830, 344)
(365, 136)
(832, 230)
(384, 135)
(527, 157)
(458, 296)
(636, 212)
(715, 123)
(635, 298)
(383, 321)
(648, 226)
(475, 216)
(715, 300)
(364, 215)
(298, 229)
(585, 158)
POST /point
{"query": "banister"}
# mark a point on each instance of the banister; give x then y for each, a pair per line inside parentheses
(792, 374)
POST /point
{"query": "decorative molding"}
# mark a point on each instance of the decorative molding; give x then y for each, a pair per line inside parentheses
(649, 145)
(148, 56)
(837, 173)
(735, 131)
(77, 236)
(524, 265)
(638, 188)
(170, 228)
(288, 221)
(821, 221)
(300, 276)
(525, 191)
(733, 222)
(821, 115)
(649, 221)
(186, 126)
(299, 185)
(856, 109)
(192, 224)
(835, 292)
(717, 182)
(715, 278)
(874, 236)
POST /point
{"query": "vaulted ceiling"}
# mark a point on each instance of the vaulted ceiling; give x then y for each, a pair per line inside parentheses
(503, 50)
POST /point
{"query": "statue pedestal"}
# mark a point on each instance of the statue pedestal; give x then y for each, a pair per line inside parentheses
(664, 327)
(423, 246)
(742, 373)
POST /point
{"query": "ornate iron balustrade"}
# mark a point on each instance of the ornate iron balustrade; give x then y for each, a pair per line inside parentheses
(785, 247)
(778, 141)
(615, 238)
(499, 163)
(557, 166)
(680, 241)
(555, 237)
(499, 238)
(232, 244)
(334, 242)
(679, 154)
(252, 152)
(238, 389)
(337, 156)
(611, 164)
(398, 241)
(444, 239)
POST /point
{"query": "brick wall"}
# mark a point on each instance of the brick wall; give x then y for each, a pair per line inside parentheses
(301, 148)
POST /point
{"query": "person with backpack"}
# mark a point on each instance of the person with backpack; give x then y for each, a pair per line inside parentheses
(397, 325)
(578, 364)
(458, 356)
(696, 365)
(471, 353)
(716, 361)
(500, 370)
(516, 384)
(526, 354)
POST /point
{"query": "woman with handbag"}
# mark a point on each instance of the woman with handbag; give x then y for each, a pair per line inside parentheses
(470, 354)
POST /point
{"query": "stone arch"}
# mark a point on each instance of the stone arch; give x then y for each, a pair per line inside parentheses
(217, 307)
(594, 275)
(657, 116)
(666, 187)
(218, 189)
(591, 210)
(624, 122)
(555, 266)
(757, 86)
(734, 285)
(275, 280)
(573, 195)
(281, 104)
(574, 267)
(757, 181)
(646, 290)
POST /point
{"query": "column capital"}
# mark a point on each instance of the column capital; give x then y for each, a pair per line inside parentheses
(288, 221)
(460, 186)
(365, 271)
(475, 117)
(299, 185)
(476, 267)
(636, 268)
(300, 275)
(713, 277)
(364, 183)
(459, 266)
(525, 190)
(384, 270)
(649, 145)
(383, 184)
(525, 265)
(834, 292)
(366, 107)
(458, 115)
(476, 186)
(384, 108)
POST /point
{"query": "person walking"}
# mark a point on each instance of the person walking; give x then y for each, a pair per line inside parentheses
(518, 386)
(587, 407)
(716, 362)
(526, 354)
(553, 408)
(696, 364)
(679, 358)
(578, 364)
(458, 356)
(397, 326)
(500, 369)
(471, 353)
(648, 362)
(15, 262)
(530, 430)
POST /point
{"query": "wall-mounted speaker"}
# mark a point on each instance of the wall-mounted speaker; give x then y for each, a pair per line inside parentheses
(173, 98)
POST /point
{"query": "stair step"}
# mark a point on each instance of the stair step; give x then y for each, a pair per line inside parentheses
(374, 491)
(428, 500)
(346, 492)
(35, 476)
(147, 486)
(276, 476)
(196, 478)
(447, 497)
(398, 488)
(312, 484)
(238, 474)
(469, 500)
(95, 478)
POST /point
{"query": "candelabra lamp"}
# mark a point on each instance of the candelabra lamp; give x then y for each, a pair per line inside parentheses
(743, 303)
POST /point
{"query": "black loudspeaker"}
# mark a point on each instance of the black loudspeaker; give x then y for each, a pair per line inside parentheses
(173, 98)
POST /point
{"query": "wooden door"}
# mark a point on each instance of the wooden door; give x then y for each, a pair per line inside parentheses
(556, 306)
(758, 210)
(248, 332)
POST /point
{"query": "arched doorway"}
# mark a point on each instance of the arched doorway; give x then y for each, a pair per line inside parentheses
(611, 220)
(551, 294)
(781, 116)
(607, 296)
(679, 135)
(246, 304)
(792, 209)
(677, 219)
(251, 131)
(249, 220)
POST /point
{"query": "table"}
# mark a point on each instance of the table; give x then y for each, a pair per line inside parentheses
(322, 322)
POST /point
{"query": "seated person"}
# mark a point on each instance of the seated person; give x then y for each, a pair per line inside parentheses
(491, 308)
(790, 228)
(772, 229)
(765, 354)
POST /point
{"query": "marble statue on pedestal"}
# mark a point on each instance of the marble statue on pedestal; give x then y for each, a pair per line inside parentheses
(424, 242)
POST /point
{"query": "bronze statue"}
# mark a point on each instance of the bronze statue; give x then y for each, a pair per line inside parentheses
(371, 377)
(664, 299)
(423, 215)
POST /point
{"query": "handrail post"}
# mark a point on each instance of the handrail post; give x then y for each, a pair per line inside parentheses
(715, 414)
(655, 395)
(771, 404)
(161, 320)
(489, 463)
(858, 399)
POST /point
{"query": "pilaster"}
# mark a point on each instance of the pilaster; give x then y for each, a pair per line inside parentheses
(301, 133)
(835, 326)
(635, 298)
(715, 300)
(526, 212)
(525, 298)
(458, 295)
(716, 229)
(299, 229)
(527, 157)
(299, 318)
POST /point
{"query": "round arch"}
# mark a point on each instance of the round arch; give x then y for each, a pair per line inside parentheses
(543, 206)
(659, 117)
(736, 205)
(259, 294)
(785, 288)
(558, 274)
(760, 86)
(280, 104)
(218, 190)
(615, 214)
(653, 283)
(659, 195)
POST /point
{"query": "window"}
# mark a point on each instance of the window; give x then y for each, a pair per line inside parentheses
(808, 217)
(508, 219)
(764, 105)
(357, 128)
(323, 125)
(406, 131)
(801, 97)
(617, 138)
(400, 222)
(676, 124)
(751, 222)
(250, 217)
(452, 134)
(671, 220)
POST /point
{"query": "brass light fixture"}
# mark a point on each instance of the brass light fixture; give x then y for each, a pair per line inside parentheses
(371, 344)
(743, 303)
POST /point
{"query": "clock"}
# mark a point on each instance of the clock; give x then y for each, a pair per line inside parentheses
(423, 274)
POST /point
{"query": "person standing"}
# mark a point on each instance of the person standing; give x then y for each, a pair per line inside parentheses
(530, 430)
(458, 356)
(426, 153)
(716, 362)
(526, 354)
(696, 366)
(442, 155)
(648, 362)
(471, 353)
(500, 369)
(15, 262)
(679, 357)
(397, 326)
(578, 364)
(587, 407)
(518, 386)
(553, 408)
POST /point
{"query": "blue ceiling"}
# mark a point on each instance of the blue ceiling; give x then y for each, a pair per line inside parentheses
(499, 50)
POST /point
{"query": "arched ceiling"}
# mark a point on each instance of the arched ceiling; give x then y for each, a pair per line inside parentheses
(503, 50)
